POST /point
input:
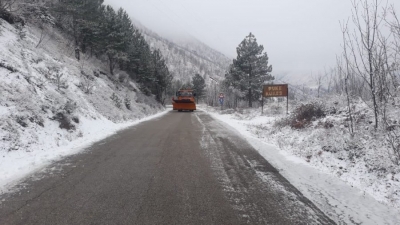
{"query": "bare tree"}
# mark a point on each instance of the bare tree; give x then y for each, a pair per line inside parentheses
(318, 80)
(7, 5)
(44, 30)
(364, 48)
(87, 85)
(57, 77)
(345, 70)
(393, 86)
(329, 77)
(395, 29)
(7, 12)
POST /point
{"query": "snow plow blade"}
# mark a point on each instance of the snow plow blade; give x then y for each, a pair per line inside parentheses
(183, 106)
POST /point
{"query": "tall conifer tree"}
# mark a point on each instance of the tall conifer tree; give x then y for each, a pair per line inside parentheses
(199, 85)
(250, 70)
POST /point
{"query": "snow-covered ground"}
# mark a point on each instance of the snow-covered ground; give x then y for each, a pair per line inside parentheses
(15, 165)
(355, 196)
(52, 105)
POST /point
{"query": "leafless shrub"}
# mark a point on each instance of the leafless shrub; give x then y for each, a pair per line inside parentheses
(38, 60)
(96, 73)
(63, 115)
(7, 5)
(7, 12)
(64, 120)
(87, 85)
(75, 119)
(328, 124)
(21, 32)
(309, 112)
(56, 76)
(37, 119)
(283, 122)
(44, 31)
(303, 115)
(122, 77)
(70, 107)
(318, 80)
(127, 102)
(21, 120)
(12, 135)
(393, 138)
(117, 101)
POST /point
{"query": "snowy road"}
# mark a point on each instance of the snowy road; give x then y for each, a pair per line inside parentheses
(182, 168)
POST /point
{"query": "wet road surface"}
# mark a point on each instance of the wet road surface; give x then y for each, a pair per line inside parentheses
(181, 168)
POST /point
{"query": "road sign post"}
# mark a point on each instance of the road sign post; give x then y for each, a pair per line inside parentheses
(277, 90)
(262, 104)
(221, 99)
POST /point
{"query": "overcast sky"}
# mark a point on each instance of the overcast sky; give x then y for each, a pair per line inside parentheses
(299, 36)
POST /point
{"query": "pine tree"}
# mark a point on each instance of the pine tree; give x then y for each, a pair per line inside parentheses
(145, 72)
(199, 85)
(162, 77)
(115, 44)
(79, 18)
(250, 70)
(128, 31)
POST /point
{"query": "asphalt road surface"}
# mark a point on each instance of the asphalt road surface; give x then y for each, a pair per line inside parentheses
(181, 168)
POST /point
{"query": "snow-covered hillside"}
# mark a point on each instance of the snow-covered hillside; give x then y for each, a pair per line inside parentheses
(188, 56)
(50, 102)
(345, 190)
(366, 161)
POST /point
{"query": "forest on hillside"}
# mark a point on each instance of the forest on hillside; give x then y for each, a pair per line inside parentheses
(99, 31)
(188, 58)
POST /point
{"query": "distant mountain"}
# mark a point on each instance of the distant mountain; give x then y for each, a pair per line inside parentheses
(188, 56)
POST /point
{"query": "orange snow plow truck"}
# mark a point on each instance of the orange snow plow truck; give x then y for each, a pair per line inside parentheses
(184, 100)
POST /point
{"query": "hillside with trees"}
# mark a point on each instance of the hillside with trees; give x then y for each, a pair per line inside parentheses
(187, 58)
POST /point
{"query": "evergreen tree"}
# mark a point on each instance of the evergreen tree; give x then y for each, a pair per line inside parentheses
(250, 70)
(145, 69)
(127, 31)
(114, 40)
(139, 56)
(80, 19)
(175, 86)
(199, 85)
(162, 77)
(187, 85)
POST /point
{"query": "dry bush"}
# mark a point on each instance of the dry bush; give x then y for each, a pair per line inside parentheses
(282, 122)
(393, 138)
(64, 114)
(64, 120)
(303, 115)
(309, 112)
(117, 101)
(87, 84)
(127, 102)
